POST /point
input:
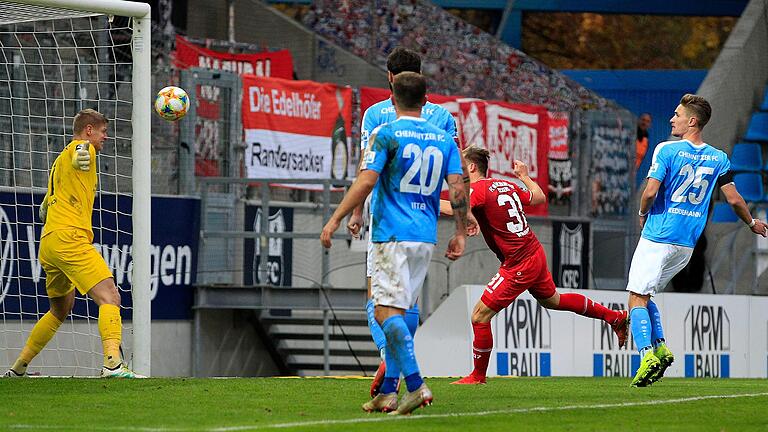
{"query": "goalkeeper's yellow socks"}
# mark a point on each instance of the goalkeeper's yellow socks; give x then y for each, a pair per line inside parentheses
(111, 330)
(41, 334)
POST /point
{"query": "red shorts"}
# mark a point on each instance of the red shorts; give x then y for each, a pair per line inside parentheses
(531, 274)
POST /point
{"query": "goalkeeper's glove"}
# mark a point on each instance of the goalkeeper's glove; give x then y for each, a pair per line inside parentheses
(82, 158)
(43, 212)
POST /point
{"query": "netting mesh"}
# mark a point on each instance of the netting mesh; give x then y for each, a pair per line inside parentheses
(49, 70)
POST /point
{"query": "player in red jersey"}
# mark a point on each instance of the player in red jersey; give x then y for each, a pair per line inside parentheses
(498, 207)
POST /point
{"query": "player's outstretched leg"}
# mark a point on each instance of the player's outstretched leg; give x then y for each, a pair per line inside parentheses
(482, 346)
(641, 332)
(661, 351)
(41, 334)
(585, 306)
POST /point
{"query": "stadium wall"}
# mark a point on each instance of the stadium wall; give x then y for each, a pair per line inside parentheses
(711, 336)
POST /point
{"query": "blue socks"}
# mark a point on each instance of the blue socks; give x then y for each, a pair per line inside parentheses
(657, 332)
(400, 349)
(412, 319)
(640, 323)
(376, 332)
(392, 374)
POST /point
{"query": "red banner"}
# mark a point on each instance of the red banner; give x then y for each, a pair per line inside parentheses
(558, 135)
(277, 64)
(560, 170)
(296, 129)
(509, 132)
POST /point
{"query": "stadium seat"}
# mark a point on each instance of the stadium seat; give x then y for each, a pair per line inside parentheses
(758, 127)
(722, 213)
(747, 157)
(750, 186)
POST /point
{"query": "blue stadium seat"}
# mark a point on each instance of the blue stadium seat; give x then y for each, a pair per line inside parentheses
(750, 186)
(747, 157)
(723, 213)
(758, 127)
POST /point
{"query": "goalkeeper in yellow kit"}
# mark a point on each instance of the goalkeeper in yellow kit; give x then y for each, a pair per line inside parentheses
(67, 253)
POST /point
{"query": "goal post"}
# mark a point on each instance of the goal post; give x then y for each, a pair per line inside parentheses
(13, 12)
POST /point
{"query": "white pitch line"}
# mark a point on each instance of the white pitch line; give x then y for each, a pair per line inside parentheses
(387, 418)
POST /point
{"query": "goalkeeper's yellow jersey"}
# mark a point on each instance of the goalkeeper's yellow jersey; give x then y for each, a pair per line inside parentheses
(71, 192)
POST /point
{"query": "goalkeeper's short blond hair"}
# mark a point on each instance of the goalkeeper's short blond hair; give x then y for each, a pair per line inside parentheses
(87, 117)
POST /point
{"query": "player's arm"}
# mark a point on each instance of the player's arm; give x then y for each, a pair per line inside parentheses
(652, 186)
(459, 204)
(464, 170)
(42, 213)
(355, 196)
(521, 171)
(445, 208)
(649, 194)
(736, 201)
(355, 222)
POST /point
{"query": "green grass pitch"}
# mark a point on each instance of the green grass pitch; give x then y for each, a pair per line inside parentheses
(244, 404)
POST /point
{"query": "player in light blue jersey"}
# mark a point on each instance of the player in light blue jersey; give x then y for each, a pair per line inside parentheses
(399, 60)
(673, 213)
(406, 161)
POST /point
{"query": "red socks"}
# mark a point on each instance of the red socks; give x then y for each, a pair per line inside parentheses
(581, 305)
(481, 348)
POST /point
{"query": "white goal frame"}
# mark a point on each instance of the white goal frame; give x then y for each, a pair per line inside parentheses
(142, 158)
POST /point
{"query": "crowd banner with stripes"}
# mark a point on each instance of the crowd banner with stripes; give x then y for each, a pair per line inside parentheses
(296, 129)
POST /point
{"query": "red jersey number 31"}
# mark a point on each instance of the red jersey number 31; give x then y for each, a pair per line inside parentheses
(517, 223)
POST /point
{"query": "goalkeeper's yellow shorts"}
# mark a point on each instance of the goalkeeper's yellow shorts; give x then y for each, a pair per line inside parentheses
(71, 261)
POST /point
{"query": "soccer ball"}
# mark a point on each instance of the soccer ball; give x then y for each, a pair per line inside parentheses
(172, 103)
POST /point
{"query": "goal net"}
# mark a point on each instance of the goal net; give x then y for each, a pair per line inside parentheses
(57, 58)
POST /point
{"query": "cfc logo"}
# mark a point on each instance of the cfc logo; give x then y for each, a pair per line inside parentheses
(274, 274)
(524, 340)
(6, 254)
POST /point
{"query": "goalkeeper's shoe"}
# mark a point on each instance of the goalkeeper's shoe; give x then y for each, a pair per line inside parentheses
(10, 373)
(666, 358)
(120, 371)
(649, 365)
(420, 397)
(470, 379)
(621, 327)
(383, 402)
